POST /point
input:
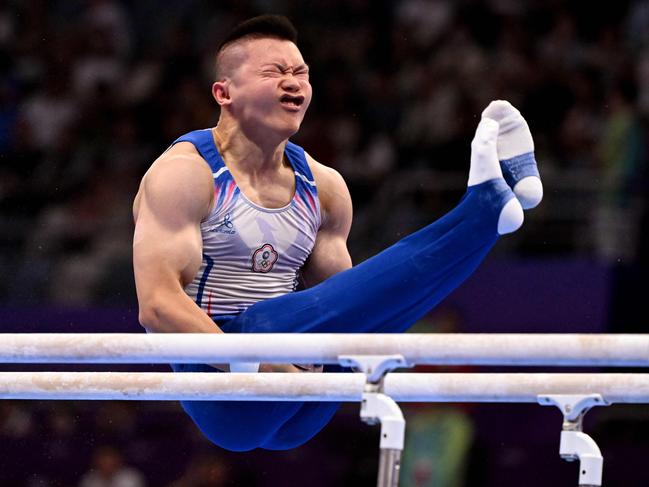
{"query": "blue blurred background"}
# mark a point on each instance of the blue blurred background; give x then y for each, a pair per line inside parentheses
(92, 91)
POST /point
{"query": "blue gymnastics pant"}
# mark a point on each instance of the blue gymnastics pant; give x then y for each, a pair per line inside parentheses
(387, 293)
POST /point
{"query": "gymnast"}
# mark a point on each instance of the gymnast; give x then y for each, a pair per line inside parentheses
(230, 218)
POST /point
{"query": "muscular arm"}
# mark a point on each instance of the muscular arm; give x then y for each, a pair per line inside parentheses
(175, 195)
(330, 254)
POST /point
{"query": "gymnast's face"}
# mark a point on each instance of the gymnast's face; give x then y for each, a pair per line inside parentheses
(264, 84)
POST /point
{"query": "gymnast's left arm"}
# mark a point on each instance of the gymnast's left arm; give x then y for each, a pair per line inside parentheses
(330, 254)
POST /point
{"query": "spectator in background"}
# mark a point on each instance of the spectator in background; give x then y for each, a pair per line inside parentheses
(85, 82)
(108, 470)
(439, 436)
(205, 471)
(621, 152)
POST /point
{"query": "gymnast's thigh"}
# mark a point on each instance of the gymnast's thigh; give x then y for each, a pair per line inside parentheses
(236, 425)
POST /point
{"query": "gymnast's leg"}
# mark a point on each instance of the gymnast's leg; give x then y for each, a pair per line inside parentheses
(305, 423)
(392, 290)
(237, 425)
(387, 293)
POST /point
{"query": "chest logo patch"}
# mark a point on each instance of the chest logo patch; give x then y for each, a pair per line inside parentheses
(264, 258)
(225, 225)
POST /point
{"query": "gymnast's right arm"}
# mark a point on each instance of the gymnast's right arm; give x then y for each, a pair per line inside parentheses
(175, 194)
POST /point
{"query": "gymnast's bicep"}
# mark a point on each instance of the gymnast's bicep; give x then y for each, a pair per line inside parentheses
(330, 254)
(175, 195)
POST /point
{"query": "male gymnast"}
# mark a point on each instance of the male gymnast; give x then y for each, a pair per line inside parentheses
(228, 219)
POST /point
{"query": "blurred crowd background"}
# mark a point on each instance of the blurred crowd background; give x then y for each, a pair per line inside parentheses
(92, 91)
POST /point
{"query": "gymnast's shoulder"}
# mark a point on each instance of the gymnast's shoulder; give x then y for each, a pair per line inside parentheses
(178, 178)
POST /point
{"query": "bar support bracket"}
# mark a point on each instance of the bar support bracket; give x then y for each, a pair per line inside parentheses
(575, 444)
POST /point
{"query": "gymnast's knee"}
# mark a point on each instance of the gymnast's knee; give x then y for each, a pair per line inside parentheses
(279, 442)
(227, 430)
(306, 423)
(237, 442)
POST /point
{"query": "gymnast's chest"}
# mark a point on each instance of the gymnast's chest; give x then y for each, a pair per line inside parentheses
(242, 236)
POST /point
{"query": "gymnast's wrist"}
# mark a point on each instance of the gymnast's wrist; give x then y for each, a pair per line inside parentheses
(246, 367)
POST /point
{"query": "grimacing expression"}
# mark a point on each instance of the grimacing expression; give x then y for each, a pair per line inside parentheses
(268, 84)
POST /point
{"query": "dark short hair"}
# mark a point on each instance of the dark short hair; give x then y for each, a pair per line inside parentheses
(260, 27)
(275, 26)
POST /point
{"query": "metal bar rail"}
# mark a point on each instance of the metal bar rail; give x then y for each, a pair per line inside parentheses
(434, 349)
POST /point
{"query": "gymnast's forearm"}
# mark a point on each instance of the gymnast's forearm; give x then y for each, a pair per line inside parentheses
(173, 311)
(166, 311)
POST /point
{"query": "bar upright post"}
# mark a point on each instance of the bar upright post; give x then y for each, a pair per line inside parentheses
(377, 407)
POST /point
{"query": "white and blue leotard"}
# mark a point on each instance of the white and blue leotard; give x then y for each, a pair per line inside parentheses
(251, 253)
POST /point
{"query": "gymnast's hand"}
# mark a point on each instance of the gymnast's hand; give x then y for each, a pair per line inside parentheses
(277, 368)
(291, 368)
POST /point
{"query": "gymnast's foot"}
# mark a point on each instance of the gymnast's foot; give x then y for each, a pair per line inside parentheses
(516, 153)
(485, 167)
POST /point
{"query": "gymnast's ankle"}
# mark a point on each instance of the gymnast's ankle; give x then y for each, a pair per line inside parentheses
(516, 153)
(486, 168)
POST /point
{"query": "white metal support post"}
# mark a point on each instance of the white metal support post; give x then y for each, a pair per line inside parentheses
(377, 407)
(576, 445)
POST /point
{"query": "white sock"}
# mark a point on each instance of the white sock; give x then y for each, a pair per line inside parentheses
(511, 217)
(485, 166)
(484, 157)
(516, 152)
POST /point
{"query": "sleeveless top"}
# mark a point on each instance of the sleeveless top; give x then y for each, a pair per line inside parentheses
(251, 253)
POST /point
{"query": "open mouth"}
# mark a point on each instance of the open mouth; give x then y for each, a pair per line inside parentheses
(294, 101)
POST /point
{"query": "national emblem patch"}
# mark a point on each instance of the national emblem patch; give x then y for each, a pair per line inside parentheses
(264, 258)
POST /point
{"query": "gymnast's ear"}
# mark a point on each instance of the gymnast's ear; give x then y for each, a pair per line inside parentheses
(221, 92)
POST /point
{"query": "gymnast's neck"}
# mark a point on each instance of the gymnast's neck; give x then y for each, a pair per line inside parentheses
(251, 149)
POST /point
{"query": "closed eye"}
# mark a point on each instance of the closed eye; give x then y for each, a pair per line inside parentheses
(272, 72)
(277, 69)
